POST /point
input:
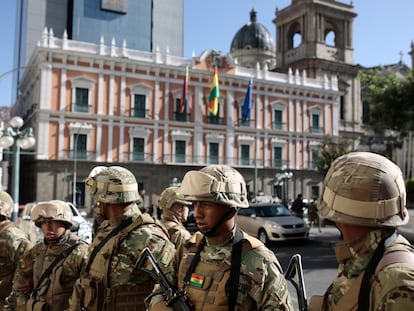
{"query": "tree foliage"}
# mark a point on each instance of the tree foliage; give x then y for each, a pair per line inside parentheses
(390, 99)
(330, 149)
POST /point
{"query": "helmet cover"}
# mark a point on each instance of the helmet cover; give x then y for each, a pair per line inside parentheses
(6, 204)
(52, 210)
(215, 183)
(366, 189)
(169, 196)
(114, 184)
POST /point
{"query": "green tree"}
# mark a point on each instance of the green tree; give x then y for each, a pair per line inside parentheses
(390, 98)
(330, 149)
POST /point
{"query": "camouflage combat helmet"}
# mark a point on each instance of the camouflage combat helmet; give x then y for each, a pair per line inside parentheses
(6, 204)
(52, 210)
(170, 196)
(215, 183)
(114, 184)
(364, 188)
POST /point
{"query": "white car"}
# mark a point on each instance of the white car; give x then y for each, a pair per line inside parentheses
(81, 226)
(271, 222)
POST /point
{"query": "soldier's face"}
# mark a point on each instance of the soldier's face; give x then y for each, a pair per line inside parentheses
(208, 214)
(52, 229)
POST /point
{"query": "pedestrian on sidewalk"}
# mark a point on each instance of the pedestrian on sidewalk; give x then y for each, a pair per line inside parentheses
(313, 215)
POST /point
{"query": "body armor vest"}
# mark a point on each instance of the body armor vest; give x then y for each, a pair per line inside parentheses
(209, 281)
(57, 287)
(95, 289)
(7, 265)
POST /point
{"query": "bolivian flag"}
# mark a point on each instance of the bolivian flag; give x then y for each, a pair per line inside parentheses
(183, 101)
(214, 94)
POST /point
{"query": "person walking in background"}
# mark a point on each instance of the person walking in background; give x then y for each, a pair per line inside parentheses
(109, 279)
(13, 243)
(313, 215)
(221, 267)
(46, 273)
(364, 194)
(175, 213)
(298, 206)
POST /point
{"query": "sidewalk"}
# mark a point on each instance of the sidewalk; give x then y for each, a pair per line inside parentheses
(331, 235)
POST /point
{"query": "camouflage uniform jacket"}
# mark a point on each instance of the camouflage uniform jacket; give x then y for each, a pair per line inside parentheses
(113, 271)
(392, 286)
(13, 243)
(56, 288)
(177, 232)
(262, 285)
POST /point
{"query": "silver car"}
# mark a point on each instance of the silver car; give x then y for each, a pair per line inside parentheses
(271, 222)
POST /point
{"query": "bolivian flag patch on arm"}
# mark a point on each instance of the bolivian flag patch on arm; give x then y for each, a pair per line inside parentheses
(21, 263)
(196, 280)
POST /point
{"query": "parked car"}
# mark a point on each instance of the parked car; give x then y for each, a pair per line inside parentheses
(271, 222)
(81, 226)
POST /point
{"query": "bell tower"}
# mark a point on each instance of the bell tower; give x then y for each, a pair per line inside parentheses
(316, 36)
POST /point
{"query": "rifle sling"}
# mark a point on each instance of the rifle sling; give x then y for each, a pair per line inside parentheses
(363, 301)
(235, 268)
(114, 232)
(49, 269)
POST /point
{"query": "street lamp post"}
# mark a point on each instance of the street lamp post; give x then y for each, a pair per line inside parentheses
(24, 139)
(282, 180)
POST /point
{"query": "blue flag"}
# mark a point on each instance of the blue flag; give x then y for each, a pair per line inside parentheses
(247, 106)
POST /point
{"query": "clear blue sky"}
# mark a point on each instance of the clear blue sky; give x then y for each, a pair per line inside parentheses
(382, 30)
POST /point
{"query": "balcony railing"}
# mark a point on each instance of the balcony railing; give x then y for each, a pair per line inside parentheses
(139, 113)
(215, 120)
(139, 157)
(181, 117)
(316, 130)
(81, 108)
(279, 126)
(246, 123)
(81, 155)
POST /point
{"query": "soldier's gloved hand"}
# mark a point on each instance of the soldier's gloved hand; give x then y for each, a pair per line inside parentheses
(160, 306)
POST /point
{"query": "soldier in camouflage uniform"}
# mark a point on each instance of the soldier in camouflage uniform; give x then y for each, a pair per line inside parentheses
(364, 194)
(110, 281)
(46, 273)
(174, 214)
(13, 243)
(221, 267)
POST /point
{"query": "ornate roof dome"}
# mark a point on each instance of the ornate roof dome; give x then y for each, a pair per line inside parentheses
(253, 44)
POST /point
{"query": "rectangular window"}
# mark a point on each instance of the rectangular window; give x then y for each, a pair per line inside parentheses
(314, 156)
(138, 149)
(215, 119)
(278, 121)
(213, 157)
(315, 124)
(180, 116)
(180, 151)
(139, 109)
(81, 100)
(245, 155)
(315, 191)
(80, 143)
(277, 157)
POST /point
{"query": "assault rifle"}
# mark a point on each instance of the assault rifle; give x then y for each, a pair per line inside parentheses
(173, 298)
(294, 273)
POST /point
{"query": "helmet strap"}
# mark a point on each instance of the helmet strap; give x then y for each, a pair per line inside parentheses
(212, 231)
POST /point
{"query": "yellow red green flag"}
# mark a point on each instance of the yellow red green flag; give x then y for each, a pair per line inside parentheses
(214, 94)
